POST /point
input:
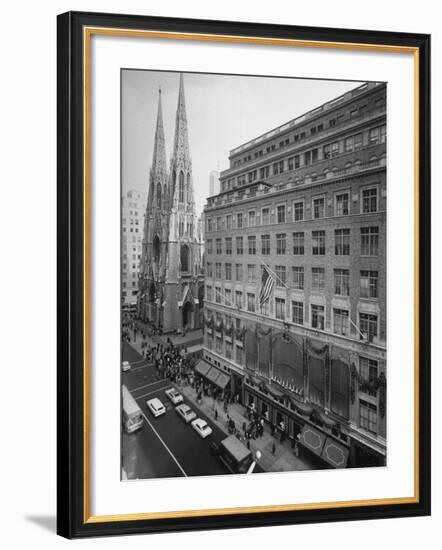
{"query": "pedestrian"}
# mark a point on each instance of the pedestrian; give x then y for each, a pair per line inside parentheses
(273, 448)
(248, 443)
(216, 414)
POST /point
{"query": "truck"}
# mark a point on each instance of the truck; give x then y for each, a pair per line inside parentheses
(233, 454)
(132, 415)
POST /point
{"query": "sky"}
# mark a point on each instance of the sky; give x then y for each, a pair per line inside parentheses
(223, 111)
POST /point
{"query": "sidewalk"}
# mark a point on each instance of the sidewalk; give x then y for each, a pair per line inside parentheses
(284, 458)
(192, 338)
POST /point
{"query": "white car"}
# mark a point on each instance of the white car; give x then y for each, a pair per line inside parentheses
(156, 407)
(185, 412)
(201, 427)
(125, 366)
(174, 396)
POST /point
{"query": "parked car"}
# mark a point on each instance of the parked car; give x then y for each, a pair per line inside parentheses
(185, 412)
(156, 407)
(201, 427)
(125, 366)
(174, 396)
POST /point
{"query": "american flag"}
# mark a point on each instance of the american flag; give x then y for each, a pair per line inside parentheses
(267, 284)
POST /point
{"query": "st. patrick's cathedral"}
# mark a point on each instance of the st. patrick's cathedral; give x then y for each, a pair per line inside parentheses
(171, 279)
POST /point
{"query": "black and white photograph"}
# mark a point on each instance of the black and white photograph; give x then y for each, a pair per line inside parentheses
(253, 274)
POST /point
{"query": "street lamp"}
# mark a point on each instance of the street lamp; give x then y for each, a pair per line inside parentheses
(258, 455)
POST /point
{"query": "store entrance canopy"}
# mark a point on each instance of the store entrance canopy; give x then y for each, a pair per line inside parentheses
(334, 453)
(312, 439)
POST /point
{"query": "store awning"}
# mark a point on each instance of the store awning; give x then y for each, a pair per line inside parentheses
(255, 380)
(312, 439)
(212, 374)
(222, 380)
(274, 391)
(202, 367)
(334, 453)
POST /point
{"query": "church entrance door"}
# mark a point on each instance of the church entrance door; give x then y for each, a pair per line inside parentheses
(187, 316)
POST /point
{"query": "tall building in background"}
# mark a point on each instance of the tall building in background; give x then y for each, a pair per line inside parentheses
(171, 280)
(213, 183)
(295, 251)
(133, 211)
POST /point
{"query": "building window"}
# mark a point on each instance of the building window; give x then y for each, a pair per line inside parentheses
(349, 144)
(369, 241)
(219, 246)
(298, 243)
(341, 204)
(298, 277)
(219, 223)
(185, 258)
(265, 245)
(281, 244)
(251, 239)
(238, 299)
(264, 308)
(318, 243)
(318, 279)
(368, 369)
(252, 218)
(318, 207)
(368, 416)
(218, 345)
(280, 309)
(229, 245)
(265, 216)
(370, 200)
(342, 282)
(229, 221)
(340, 321)
(239, 245)
(358, 141)
(181, 187)
(368, 326)
(250, 302)
(281, 275)
(228, 268)
(251, 273)
(209, 293)
(228, 297)
(239, 220)
(369, 284)
(218, 270)
(298, 313)
(239, 272)
(280, 213)
(335, 149)
(342, 242)
(218, 295)
(209, 246)
(318, 317)
(239, 355)
(298, 211)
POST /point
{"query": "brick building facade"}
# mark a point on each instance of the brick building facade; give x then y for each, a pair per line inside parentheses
(307, 203)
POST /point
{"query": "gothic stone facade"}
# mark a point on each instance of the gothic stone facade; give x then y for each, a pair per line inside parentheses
(171, 286)
(308, 200)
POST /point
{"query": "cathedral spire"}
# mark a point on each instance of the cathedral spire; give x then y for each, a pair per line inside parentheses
(181, 141)
(159, 151)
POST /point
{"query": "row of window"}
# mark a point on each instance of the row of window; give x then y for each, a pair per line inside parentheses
(369, 243)
(333, 149)
(368, 280)
(368, 327)
(369, 203)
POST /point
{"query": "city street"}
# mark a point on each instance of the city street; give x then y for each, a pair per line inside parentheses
(165, 446)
